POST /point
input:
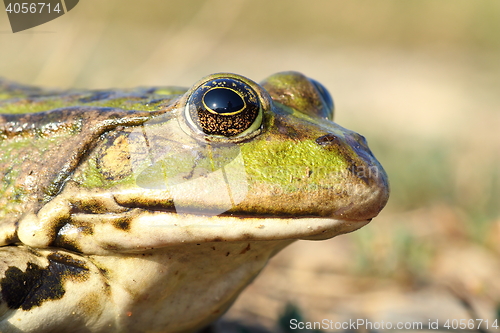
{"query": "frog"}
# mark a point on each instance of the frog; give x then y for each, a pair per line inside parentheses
(150, 209)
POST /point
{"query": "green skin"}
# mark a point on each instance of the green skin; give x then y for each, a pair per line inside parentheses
(119, 214)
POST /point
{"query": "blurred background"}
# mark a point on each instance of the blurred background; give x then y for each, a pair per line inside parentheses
(419, 79)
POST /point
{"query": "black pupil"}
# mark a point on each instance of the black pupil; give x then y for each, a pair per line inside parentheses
(222, 100)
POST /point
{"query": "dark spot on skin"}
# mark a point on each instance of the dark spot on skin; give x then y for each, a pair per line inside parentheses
(16, 286)
(62, 242)
(86, 229)
(217, 239)
(90, 206)
(36, 285)
(245, 249)
(157, 205)
(227, 254)
(68, 266)
(103, 271)
(55, 238)
(111, 247)
(11, 239)
(122, 223)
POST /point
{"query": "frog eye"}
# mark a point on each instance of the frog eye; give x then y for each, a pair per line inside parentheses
(224, 107)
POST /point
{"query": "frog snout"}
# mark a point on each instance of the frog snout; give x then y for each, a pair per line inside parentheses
(366, 190)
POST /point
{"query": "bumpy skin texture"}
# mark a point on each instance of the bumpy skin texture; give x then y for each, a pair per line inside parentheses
(118, 213)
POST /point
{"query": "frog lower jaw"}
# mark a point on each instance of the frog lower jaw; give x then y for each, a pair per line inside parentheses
(185, 228)
(139, 230)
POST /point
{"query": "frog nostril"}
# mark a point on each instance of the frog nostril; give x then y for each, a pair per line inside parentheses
(328, 139)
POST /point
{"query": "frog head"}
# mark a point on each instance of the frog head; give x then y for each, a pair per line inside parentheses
(229, 160)
(175, 211)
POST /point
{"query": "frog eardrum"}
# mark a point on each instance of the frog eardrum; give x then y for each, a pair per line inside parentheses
(225, 107)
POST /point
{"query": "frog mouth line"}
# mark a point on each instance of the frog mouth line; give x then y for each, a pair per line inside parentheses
(365, 210)
(129, 210)
(236, 214)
